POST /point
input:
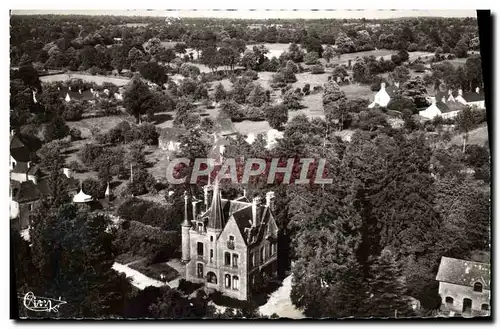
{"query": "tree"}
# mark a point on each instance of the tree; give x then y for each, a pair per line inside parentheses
(465, 122)
(136, 98)
(329, 53)
(387, 290)
(276, 115)
(257, 96)
(291, 100)
(401, 74)
(73, 256)
(359, 71)
(462, 47)
(220, 93)
(183, 110)
(154, 72)
(344, 43)
(134, 56)
(94, 188)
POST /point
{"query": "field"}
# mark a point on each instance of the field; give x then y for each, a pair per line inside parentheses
(99, 79)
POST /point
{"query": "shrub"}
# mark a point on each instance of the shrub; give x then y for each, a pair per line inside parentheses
(306, 89)
(77, 167)
(251, 74)
(318, 69)
(311, 58)
(189, 70)
(73, 112)
(75, 134)
(292, 99)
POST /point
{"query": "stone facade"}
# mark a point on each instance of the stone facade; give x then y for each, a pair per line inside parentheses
(229, 254)
(453, 296)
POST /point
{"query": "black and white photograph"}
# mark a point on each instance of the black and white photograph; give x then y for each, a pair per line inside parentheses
(250, 164)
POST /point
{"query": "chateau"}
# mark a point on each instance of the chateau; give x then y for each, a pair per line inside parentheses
(229, 245)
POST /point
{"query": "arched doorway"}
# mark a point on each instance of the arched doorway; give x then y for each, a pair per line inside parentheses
(467, 305)
(211, 278)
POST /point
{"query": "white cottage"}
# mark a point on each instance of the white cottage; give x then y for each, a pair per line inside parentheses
(474, 99)
(384, 95)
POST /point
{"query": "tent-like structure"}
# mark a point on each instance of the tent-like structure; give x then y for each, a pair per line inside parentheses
(81, 197)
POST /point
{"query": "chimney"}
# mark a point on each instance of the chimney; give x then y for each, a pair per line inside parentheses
(245, 192)
(92, 90)
(34, 97)
(29, 164)
(477, 90)
(207, 195)
(12, 132)
(255, 207)
(196, 208)
(460, 92)
(433, 100)
(396, 84)
(59, 88)
(69, 88)
(449, 92)
(270, 200)
(80, 91)
(382, 85)
(443, 99)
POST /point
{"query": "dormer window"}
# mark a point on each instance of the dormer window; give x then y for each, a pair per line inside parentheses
(478, 287)
(200, 228)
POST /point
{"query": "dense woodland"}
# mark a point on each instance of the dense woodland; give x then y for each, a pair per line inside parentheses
(401, 197)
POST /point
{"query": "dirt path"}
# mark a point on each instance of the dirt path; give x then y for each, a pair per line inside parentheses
(280, 303)
(139, 280)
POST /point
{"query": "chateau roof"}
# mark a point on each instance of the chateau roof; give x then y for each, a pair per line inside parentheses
(463, 272)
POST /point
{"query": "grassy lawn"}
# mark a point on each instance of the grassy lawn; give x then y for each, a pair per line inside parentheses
(102, 123)
(478, 136)
(155, 271)
(357, 91)
(99, 79)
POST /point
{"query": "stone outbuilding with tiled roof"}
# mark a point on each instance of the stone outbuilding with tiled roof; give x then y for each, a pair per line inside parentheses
(464, 286)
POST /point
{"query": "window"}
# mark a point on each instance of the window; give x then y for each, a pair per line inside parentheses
(236, 284)
(211, 255)
(449, 300)
(30, 206)
(478, 287)
(270, 250)
(199, 271)
(485, 307)
(262, 254)
(227, 258)
(200, 248)
(230, 242)
(252, 260)
(211, 277)
(273, 248)
(235, 260)
(228, 281)
(211, 238)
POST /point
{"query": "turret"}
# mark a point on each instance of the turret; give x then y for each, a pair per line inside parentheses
(185, 227)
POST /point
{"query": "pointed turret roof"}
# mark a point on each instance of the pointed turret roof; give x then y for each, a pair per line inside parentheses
(216, 218)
